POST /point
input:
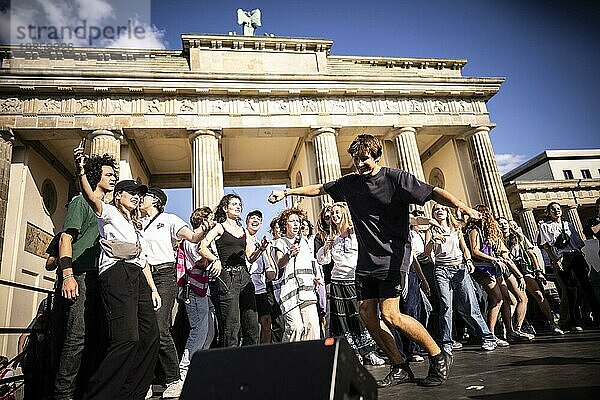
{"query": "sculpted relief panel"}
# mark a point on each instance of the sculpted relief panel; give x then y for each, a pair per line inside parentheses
(232, 105)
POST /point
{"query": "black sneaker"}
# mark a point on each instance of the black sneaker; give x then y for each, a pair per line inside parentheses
(398, 374)
(439, 368)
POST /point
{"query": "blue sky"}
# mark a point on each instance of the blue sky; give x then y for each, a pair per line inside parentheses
(546, 50)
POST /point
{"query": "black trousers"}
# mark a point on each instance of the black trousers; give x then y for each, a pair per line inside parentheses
(166, 284)
(575, 276)
(84, 336)
(127, 370)
(237, 305)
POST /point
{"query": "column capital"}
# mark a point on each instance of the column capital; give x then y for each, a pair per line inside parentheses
(7, 134)
(319, 130)
(217, 133)
(475, 129)
(116, 133)
(398, 130)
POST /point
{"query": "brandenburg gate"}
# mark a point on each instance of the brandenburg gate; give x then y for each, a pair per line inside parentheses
(224, 111)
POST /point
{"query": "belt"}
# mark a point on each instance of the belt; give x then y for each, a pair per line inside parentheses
(235, 268)
(158, 267)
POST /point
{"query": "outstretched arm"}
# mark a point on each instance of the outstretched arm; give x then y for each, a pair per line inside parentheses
(448, 199)
(308, 191)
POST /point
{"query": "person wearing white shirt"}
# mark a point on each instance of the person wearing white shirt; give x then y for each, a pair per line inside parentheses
(128, 292)
(342, 248)
(161, 232)
(563, 245)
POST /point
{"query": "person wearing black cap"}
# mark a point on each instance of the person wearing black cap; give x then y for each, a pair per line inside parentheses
(161, 232)
(128, 292)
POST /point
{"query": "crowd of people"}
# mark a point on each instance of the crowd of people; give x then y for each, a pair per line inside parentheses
(373, 268)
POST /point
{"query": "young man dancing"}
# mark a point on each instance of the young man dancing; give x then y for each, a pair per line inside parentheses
(378, 199)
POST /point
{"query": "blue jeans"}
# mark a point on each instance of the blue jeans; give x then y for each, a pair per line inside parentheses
(200, 313)
(455, 280)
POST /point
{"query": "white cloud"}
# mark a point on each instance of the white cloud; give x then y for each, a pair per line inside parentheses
(85, 23)
(507, 162)
(153, 38)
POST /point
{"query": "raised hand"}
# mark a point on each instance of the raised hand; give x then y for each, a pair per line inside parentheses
(79, 155)
(276, 195)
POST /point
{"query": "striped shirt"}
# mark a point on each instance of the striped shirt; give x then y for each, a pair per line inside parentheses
(294, 284)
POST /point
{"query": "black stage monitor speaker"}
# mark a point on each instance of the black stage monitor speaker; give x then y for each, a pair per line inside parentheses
(312, 370)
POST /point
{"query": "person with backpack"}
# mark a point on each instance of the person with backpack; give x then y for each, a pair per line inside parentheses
(563, 245)
(128, 292)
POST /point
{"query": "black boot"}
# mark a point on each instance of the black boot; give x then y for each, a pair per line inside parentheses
(439, 368)
(400, 373)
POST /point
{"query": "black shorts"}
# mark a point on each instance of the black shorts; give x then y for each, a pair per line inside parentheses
(266, 304)
(371, 287)
(262, 304)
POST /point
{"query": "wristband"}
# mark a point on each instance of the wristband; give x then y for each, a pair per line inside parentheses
(67, 276)
(66, 262)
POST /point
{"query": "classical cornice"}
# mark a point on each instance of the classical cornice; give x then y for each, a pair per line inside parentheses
(234, 42)
(82, 53)
(535, 186)
(401, 62)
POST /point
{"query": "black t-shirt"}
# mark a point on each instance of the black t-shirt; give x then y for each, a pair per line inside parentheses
(378, 205)
(588, 227)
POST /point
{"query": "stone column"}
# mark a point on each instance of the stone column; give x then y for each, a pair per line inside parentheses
(207, 168)
(486, 173)
(328, 159)
(529, 224)
(573, 217)
(409, 159)
(7, 139)
(105, 141)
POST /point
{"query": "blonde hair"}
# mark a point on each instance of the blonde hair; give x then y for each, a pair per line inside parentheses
(345, 223)
(451, 220)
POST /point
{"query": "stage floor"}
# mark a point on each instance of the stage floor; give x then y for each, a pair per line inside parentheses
(550, 367)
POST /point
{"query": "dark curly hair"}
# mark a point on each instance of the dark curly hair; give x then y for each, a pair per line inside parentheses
(199, 215)
(93, 167)
(285, 214)
(220, 215)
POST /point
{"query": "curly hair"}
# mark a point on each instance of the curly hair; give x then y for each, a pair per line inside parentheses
(366, 144)
(220, 215)
(273, 224)
(285, 215)
(199, 215)
(93, 167)
(489, 226)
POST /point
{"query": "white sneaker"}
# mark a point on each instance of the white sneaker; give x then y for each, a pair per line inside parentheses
(489, 346)
(374, 359)
(530, 336)
(557, 331)
(149, 393)
(501, 343)
(173, 389)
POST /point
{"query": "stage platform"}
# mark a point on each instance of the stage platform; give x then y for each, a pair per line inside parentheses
(550, 367)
